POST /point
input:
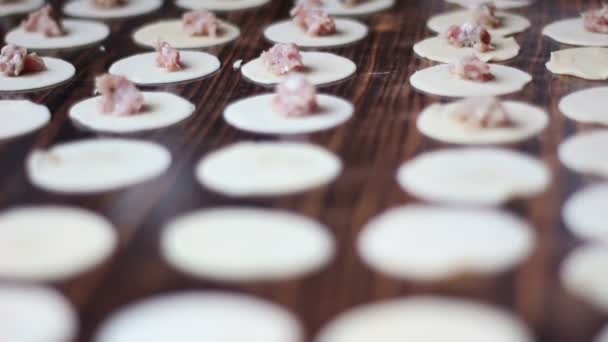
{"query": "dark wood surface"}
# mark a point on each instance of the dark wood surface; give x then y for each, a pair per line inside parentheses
(372, 145)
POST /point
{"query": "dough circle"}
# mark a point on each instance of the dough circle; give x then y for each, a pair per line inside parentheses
(19, 7)
(57, 71)
(437, 122)
(142, 69)
(171, 31)
(425, 318)
(80, 33)
(348, 31)
(586, 106)
(583, 275)
(573, 32)
(480, 176)
(438, 80)
(511, 23)
(585, 213)
(201, 316)
(336, 7)
(271, 244)
(603, 335)
(255, 114)
(585, 153)
(160, 110)
(267, 168)
(588, 63)
(36, 314)
(501, 4)
(322, 68)
(96, 165)
(20, 117)
(131, 8)
(220, 5)
(438, 49)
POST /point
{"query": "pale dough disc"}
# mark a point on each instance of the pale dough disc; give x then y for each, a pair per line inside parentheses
(438, 80)
(590, 63)
(35, 314)
(511, 23)
(585, 153)
(267, 168)
(436, 121)
(19, 7)
(271, 244)
(80, 33)
(220, 5)
(131, 8)
(424, 243)
(57, 71)
(583, 274)
(439, 50)
(573, 32)
(587, 106)
(425, 319)
(141, 68)
(96, 165)
(321, 68)
(484, 176)
(348, 31)
(603, 336)
(171, 31)
(255, 114)
(335, 7)
(201, 316)
(585, 213)
(20, 117)
(502, 4)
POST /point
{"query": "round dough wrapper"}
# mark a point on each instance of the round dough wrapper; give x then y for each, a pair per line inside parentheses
(53, 316)
(160, 110)
(201, 316)
(142, 69)
(131, 8)
(221, 5)
(437, 122)
(438, 80)
(322, 68)
(96, 165)
(585, 153)
(573, 32)
(255, 114)
(588, 63)
(20, 117)
(585, 213)
(511, 23)
(439, 50)
(272, 244)
(348, 31)
(37, 243)
(481, 176)
(583, 274)
(267, 168)
(335, 7)
(423, 318)
(19, 7)
(433, 243)
(603, 336)
(57, 71)
(171, 31)
(80, 33)
(586, 106)
(502, 4)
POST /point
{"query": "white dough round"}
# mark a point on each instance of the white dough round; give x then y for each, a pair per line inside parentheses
(220, 5)
(586, 153)
(586, 106)
(80, 33)
(583, 274)
(96, 165)
(271, 244)
(573, 32)
(348, 31)
(336, 7)
(171, 31)
(267, 168)
(603, 336)
(52, 243)
(425, 319)
(19, 7)
(425, 243)
(438, 80)
(482, 176)
(585, 213)
(511, 23)
(321, 68)
(160, 110)
(589, 63)
(20, 117)
(439, 50)
(502, 4)
(131, 8)
(35, 314)
(57, 71)
(142, 69)
(255, 114)
(438, 122)
(201, 316)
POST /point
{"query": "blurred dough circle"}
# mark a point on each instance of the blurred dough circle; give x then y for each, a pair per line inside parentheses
(80, 33)
(587, 106)
(588, 63)
(583, 274)
(220, 5)
(585, 213)
(20, 117)
(511, 23)
(585, 153)
(8, 8)
(573, 32)
(502, 4)
(171, 31)
(348, 31)
(603, 335)
(336, 7)
(56, 72)
(130, 8)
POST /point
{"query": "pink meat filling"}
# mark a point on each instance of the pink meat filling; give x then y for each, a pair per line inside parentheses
(167, 56)
(15, 60)
(119, 96)
(43, 21)
(472, 68)
(485, 15)
(282, 59)
(107, 3)
(314, 20)
(200, 23)
(482, 112)
(597, 20)
(469, 35)
(295, 97)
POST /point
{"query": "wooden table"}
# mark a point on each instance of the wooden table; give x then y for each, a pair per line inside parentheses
(372, 145)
